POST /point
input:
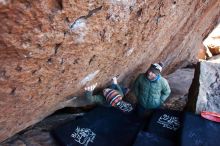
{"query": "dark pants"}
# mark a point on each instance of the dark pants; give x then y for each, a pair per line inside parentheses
(143, 112)
(144, 115)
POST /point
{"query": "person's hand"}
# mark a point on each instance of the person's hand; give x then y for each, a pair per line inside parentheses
(114, 79)
(91, 88)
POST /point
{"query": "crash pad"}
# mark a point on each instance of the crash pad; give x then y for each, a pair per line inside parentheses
(103, 126)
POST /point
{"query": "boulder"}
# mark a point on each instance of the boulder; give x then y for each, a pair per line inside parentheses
(204, 92)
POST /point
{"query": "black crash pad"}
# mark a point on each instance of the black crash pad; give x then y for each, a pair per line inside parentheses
(149, 139)
(197, 131)
(165, 123)
(103, 126)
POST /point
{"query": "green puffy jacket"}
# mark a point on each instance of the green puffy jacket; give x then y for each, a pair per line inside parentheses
(151, 94)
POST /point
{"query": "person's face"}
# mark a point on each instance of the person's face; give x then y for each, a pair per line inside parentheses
(151, 75)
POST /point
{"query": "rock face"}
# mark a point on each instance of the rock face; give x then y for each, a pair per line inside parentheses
(51, 49)
(179, 82)
(204, 92)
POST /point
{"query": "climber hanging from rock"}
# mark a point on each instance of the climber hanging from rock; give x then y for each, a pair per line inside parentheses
(111, 96)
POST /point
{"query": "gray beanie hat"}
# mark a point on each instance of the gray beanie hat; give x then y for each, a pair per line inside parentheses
(156, 68)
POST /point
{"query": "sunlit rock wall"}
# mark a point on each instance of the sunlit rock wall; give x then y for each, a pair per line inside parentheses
(51, 49)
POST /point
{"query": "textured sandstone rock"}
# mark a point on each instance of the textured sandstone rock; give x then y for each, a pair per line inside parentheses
(204, 92)
(213, 41)
(50, 49)
(215, 49)
(179, 82)
(202, 54)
